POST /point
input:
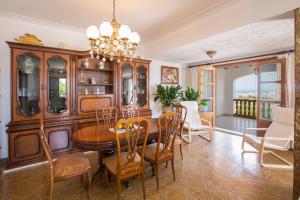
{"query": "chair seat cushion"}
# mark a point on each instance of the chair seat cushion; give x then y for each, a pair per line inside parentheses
(267, 144)
(70, 165)
(196, 126)
(111, 163)
(150, 153)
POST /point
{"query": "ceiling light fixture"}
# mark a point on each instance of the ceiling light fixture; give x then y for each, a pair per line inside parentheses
(112, 40)
(211, 54)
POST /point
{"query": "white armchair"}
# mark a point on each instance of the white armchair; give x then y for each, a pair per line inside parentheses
(278, 136)
(194, 123)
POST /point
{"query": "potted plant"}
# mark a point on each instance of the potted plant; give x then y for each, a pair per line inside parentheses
(192, 95)
(168, 96)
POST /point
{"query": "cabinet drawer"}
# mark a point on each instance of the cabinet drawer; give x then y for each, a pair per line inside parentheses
(59, 138)
(24, 146)
(89, 103)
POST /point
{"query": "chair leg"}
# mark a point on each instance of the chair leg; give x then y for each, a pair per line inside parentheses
(157, 175)
(173, 168)
(243, 144)
(167, 164)
(181, 151)
(118, 188)
(153, 170)
(51, 189)
(143, 184)
(89, 179)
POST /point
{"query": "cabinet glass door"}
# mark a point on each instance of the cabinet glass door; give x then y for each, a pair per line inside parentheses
(127, 84)
(57, 85)
(29, 67)
(141, 86)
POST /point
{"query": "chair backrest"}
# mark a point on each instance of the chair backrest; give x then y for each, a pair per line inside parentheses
(107, 115)
(192, 113)
(182, 111)
(282, 126)
(130, 111)
(45, 144)
(168, 128)
(134, 132)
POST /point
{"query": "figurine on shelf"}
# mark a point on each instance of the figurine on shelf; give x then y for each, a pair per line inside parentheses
(86, 63)
(86, 91)
(101, 65)
(93, 81)
(81, 77)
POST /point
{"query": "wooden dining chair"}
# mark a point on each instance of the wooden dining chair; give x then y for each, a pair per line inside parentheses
(130, 111)
(128, 163)
(107, 115)
(66, 167)
(163, 151)
(181, 110)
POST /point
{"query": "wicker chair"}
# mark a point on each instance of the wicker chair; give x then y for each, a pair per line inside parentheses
(163, 151)
(128, 163)
(108, 115)
(181, 110)
(130, 111)
(65, 167)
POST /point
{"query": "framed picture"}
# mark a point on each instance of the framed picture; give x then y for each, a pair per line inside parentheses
(169, 75)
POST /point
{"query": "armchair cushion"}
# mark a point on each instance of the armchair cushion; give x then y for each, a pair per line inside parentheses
(271, 144)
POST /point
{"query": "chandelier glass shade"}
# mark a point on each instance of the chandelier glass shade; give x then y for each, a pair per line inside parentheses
(112, 40)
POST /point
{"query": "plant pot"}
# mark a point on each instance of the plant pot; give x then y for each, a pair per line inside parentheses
(166, 109)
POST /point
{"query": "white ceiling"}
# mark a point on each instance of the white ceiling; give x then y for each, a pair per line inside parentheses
(148, 17)
(177, 30)
(254, 39)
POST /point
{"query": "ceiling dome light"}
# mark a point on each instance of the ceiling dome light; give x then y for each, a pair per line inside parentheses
(134, 38)
(92, 32)
(124, 32)
(106, 29)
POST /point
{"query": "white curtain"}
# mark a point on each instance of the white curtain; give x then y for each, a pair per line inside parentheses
(290, 80)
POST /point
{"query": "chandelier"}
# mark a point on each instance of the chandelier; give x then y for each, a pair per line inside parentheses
(112, 40)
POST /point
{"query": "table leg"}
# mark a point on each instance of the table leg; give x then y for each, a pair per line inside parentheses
(100, 170)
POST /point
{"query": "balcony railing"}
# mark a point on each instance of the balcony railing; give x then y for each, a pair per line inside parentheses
(245, 108)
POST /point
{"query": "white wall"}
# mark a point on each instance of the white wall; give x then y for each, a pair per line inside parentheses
(155, 80)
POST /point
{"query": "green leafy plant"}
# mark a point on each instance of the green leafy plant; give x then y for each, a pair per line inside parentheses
(192, 95)
(168, 96)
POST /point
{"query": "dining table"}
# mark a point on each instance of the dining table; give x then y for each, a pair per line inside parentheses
(101, 138)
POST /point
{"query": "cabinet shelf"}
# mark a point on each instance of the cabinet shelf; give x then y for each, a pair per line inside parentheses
(95, 69)
(88, 84)
(95, 94)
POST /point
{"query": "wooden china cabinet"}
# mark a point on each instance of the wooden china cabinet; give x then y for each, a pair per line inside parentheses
(64, 87)
(134, 84)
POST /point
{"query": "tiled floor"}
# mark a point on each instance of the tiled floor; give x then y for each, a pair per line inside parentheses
(209, 171)
(237, 124)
